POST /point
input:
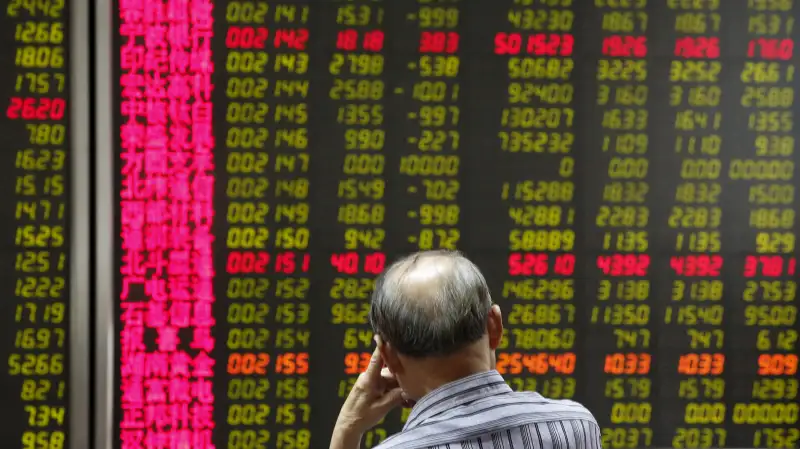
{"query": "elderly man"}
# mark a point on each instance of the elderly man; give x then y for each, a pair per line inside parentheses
(436, 333)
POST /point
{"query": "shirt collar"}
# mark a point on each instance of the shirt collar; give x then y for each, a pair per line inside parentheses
(453, 394)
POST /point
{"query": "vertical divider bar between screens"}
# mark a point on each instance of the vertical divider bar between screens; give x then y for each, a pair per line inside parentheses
(103, 344)
(80, 291)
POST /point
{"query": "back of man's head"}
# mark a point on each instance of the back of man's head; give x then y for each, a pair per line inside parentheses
(431, 303)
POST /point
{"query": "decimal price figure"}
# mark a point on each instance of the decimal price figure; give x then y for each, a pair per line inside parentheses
(266, 184)
(36, 129)
(165, 253)
(538, 349)
(621, 314)
(694, 309)
(357, 69)
(765, 172)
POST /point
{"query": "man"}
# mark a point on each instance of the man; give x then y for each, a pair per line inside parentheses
(436, 332)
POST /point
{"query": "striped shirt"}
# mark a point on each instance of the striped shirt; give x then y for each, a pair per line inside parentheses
(482, 412)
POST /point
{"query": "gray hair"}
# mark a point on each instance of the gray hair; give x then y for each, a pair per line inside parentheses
(431, 303)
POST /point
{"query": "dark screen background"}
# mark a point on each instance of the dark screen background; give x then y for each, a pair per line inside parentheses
(326, 169)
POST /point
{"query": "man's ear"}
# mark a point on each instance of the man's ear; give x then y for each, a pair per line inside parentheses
(389, 356)
(494, 326)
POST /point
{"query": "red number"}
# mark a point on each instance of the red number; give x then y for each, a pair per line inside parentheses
(246, 37)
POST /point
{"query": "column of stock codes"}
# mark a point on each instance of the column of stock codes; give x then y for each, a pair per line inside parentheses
(622, 170)
(34, 250)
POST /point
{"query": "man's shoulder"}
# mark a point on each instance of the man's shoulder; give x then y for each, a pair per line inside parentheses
(490, 415)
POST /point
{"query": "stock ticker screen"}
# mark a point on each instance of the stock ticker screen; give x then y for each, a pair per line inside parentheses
(622, 170)
(34, 178)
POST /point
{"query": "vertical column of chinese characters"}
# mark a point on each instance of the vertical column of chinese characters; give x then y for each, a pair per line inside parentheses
(166, 213)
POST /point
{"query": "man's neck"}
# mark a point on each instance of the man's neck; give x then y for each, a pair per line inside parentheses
(441, 371)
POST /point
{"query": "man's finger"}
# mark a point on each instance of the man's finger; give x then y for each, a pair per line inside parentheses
(375, 364)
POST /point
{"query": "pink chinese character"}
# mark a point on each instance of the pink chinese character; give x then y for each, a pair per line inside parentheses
(179, 416)
(178, 10)
(156, 262)
(179, 263)
(156, 364)
(180, 313)
(202, 19)
(132, 214)
(200, 60)
(202, 416)
(156, 315)
(132, 85)
(158, 213)
(177, 90)
(179, 138)
(181, 190)
(202, 339)
(131, 31)
(179, 290)
(156, 86)
(202, 215)
(132, 135)
(168, 339)
(203, 390)
(204, 263)
(159, 186)
(202, 87)
(156, 289)
(156, 35)
(129, 282)
(156, 236)
(179, 211)
(202, 439)
(203, 187)
(155, 390)
(131, 439)
(203, 162)
(203, 365)
(133, 264)
(132, 167)
(179, 61)
(132, 364)
(179, 390)
(131, 417)
(178, 35)
(156, 60)
(132, 313)
(134, 188)
(133, 108)
(182, 439)
(132, 391)
(203, 239)
(179, 364)
(157, 115)
(179, 160)
(154, 12)
(204, 289)
(156, 136)
(181, 239)
(157, 439)
(131, 57)
(132, 239)
(132, 339)
(155, 415)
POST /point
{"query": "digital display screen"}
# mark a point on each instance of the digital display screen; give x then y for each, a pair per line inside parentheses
(35, 181)
(623, 171)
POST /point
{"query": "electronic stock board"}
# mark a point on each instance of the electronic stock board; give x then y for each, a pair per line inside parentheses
(621, 170)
